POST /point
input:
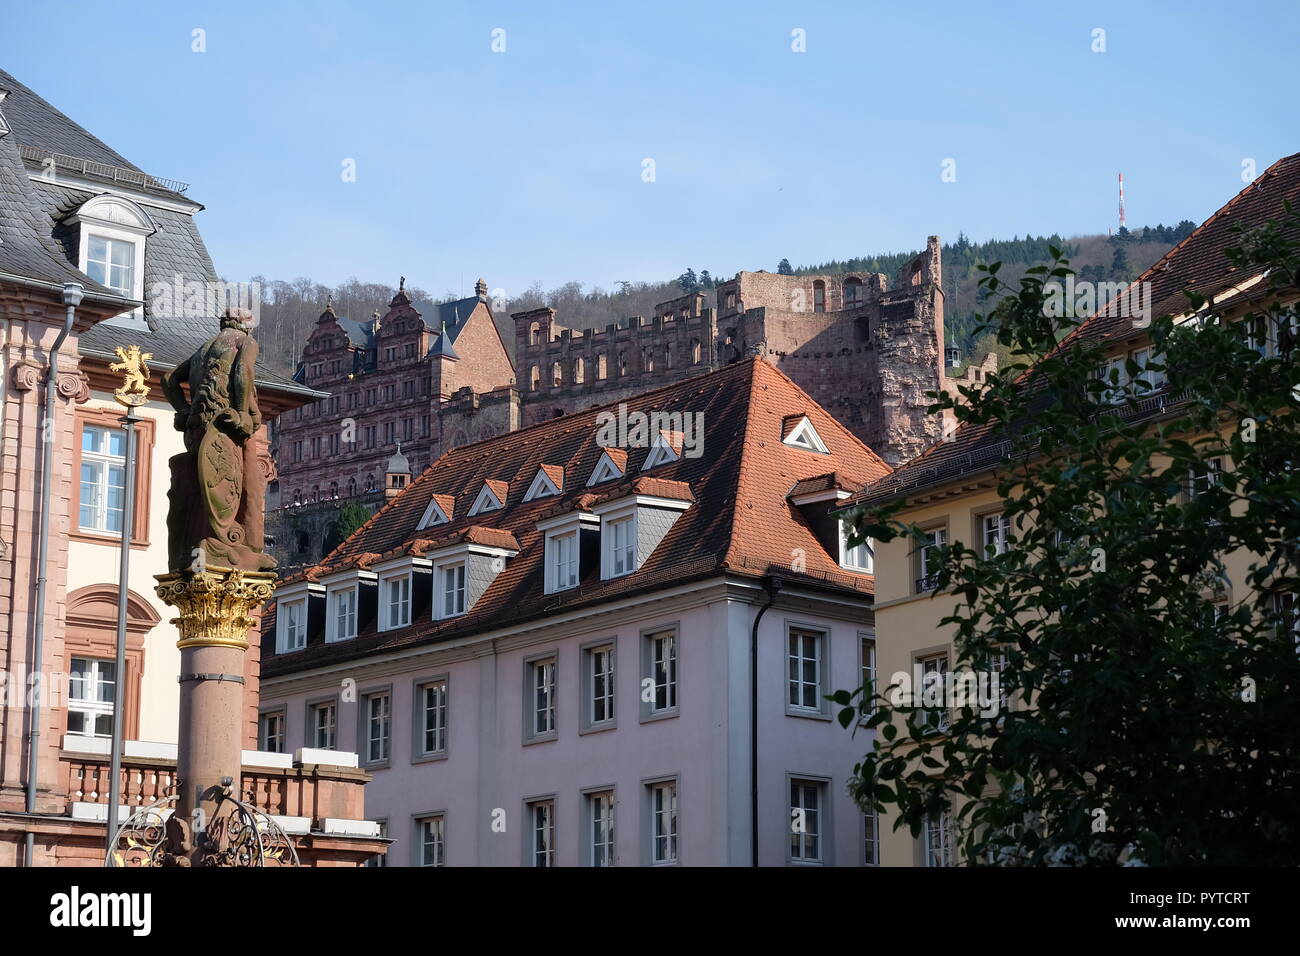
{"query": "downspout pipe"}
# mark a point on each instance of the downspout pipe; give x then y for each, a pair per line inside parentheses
(771, 585)
(72, 294)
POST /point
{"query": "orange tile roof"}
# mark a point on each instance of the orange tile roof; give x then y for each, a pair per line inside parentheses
(739, 519)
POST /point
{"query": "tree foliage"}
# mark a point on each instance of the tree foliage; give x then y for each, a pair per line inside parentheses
(1149, 722)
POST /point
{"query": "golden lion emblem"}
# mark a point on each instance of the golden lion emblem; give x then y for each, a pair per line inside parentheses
(135, 378)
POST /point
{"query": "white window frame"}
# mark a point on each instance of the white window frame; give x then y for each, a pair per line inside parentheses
(438, 727)
(103, 463)
(600, 836)
(105, 217)
(1198, 483)
(433, 514)
(661, 671)
(486, 500)
(935, 538)
(809, 845)
(447, 604)
(938, 719)
(92, 708)
(995, 530)
(821, 659)
(386, 581)
(431, 839)
(329, 730)
(540, 849)
(936, 840)
(599, 685)
(334, 631)
(267, 740)
(804, 437)
(377, 719)
(661, 452)
(562, 571)
(541, 487)
(867, 668)
(871, 839)
(606, 470)
(662, 819)
(540, 685)
(615, 560)
(287, 638)
(860, 557)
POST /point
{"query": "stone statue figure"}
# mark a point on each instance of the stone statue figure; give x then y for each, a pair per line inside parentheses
(215, 515)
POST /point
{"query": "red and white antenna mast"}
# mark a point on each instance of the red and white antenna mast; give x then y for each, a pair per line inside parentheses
(1121, 200)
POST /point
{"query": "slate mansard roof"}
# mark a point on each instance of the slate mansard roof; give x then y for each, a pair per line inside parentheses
(738, 520)
(36, 242)
(1198, 264)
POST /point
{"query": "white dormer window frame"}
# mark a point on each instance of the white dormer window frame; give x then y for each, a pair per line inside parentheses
(614, 544)
(341, 613)
(804, 436)
(860, 557)
(400, 572)
(487, 500)
(433, 515)
(451, 601)
(299, 595)
(661, 453)
(605, 470)
(120, 224)
(542, 486)
(562, 571)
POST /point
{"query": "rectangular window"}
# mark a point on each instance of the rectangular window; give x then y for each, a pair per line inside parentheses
(622, 545)
(1287, 611)
(1203, 477)
(433, 717)
(663, 822)
(600, 832)
(343, 614)
(564, 561)
(432, 839)
(869, 674)
(938, 840)
(270, 732)
(380, 859)
(370, 436)
(397, 594)
(804, 659)
(91, 688)
(379, 726)
(871, 841)
(806, 821)
(541, 697)
(661, 654)
(598, 665)
(926, 565)
(933, 671)
(324, 722)
(859, 556)
(103, 479)
(293, 625)
(541, 834)
(453, 590)
(994, 531)
(111, 262)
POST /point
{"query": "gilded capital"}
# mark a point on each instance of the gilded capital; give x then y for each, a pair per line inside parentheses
(215, 604)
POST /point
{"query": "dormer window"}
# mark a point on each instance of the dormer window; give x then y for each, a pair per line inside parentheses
(341, 621)
(451, 602)
(667, 448)
(801, 434)
(611, 466)
(858, 557)
(111, 243)
(562, 563)
(291, 625)
(491, 497)
(548, 481)
(563, 549)
(621, 544)
(438, 512)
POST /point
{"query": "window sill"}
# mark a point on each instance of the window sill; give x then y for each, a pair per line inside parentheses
(599, 728)
(377, 765)
(808, 714)
(541, 739)
(110, 538)
(429, 758)
(650, 717)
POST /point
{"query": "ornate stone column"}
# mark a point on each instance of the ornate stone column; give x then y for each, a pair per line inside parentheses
(216, 606)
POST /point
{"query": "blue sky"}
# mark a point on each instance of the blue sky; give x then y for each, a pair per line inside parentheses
(527, 165)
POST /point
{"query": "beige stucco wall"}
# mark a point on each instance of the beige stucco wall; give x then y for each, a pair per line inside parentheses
(92, 563)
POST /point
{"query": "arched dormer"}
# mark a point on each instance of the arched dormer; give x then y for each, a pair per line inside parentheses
(112, 232)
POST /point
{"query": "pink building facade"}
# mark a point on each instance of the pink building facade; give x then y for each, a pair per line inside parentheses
(545, 707)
